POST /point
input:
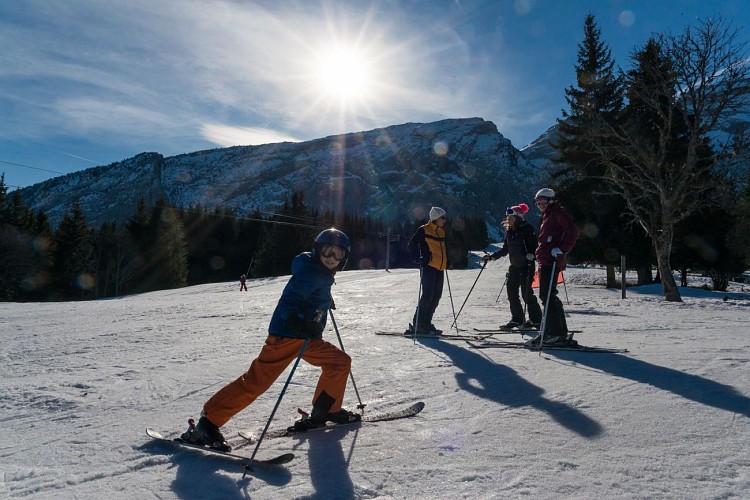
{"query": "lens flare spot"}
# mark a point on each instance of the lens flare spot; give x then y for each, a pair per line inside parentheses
(440, 148)
(590, 230)
(627, 18)
(85, 281)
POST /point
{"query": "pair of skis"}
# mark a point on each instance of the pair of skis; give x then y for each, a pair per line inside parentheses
(285, 458)
(489, 344)
(483, 338)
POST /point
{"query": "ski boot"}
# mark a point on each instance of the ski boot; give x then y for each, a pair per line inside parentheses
(530, 325)
(422, 330)
(510, 325)
(210, 435)
(190, 436)
(307, 422)
(344, 417)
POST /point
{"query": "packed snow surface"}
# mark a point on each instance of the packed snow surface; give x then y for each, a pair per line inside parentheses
(669, 419)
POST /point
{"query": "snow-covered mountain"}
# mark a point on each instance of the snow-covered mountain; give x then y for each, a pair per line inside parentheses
(463, 165)
(540, 153)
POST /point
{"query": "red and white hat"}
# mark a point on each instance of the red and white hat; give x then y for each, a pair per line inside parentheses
(519, 210)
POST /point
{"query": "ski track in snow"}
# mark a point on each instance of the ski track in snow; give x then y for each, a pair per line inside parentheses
(669, 419)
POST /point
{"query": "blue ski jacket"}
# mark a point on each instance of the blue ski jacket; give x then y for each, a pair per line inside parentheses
(306, 292)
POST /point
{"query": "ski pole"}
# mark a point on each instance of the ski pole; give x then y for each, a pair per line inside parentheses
(469, 294)
(361, 405)
(543, 326)
(565, 287)
(502, 288)
(450, 294)
(416, 316)
(278, 402)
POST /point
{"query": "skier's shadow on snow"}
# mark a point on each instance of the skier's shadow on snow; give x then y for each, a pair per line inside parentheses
(329, 468)
(199, 476)
(495, 382)
(692, 387)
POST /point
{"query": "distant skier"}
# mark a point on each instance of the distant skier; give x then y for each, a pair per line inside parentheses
(427, 247)
(243, 286)
(557, 236)
(519, 245)
(300, 314)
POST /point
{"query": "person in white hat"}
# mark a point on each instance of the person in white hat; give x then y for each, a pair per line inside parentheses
(427, 248)
(557, 236)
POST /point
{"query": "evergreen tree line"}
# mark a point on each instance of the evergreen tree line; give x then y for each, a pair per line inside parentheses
(638, 171)
(163, 247)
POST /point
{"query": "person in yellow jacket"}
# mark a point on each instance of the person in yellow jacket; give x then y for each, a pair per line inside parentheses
(427, 248)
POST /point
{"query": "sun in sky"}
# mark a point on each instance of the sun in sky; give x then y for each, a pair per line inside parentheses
(342, 83)
(343, 73)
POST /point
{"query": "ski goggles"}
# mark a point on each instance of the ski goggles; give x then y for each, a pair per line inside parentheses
(335, 253)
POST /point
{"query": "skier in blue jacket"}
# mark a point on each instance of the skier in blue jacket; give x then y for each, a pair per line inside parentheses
(300, 314)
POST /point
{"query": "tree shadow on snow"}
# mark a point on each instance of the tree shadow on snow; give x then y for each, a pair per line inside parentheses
(198, 473)
(495, 382)
(692, 387)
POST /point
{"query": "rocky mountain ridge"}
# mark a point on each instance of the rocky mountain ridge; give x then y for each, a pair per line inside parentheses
(464, 165)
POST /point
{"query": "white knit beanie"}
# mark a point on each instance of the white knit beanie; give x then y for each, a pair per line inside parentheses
(436, 213)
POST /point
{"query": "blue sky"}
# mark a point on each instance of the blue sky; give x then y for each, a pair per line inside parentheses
(90, 82)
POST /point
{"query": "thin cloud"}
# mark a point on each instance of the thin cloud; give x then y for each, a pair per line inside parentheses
(225, 135)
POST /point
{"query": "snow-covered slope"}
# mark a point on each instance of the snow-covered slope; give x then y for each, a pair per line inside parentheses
(80, 381)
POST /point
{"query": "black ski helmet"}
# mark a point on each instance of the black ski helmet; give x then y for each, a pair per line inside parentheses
(336, 238)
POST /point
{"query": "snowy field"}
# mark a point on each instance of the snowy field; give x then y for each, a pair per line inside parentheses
(80, 382)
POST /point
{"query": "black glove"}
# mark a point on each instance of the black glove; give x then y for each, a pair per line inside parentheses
(310, 328)
(295, 323)
(333, 304)
(313, 329)
(314, 325)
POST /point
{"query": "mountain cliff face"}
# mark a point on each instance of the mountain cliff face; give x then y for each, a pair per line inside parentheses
(464, 165)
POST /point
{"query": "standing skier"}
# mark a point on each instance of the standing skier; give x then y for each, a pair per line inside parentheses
(300, 314)
(427, 247)
(557, 236)
(243, 286)
(519, 245)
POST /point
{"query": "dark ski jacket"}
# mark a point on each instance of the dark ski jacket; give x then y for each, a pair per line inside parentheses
(306, 292)
(557, 230)
(519, 241)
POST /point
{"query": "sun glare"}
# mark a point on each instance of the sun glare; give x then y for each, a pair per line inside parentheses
(343, 73)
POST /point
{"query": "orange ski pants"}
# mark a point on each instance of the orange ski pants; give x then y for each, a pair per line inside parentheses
(276, 355)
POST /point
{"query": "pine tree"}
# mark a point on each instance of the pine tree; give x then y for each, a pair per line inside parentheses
(73, 275)
(138, 228)
(167, 255)
(659, 158)
(598, 95)
(292, 231)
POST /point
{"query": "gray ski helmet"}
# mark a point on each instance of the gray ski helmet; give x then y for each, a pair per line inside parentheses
(544, 193)
(333, 237)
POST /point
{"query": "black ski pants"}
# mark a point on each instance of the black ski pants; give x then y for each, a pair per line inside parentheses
(432, 291)
(520, 279)
(555, 325)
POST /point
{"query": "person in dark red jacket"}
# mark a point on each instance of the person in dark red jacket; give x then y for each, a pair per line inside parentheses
(519, 245)
(557, 237)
